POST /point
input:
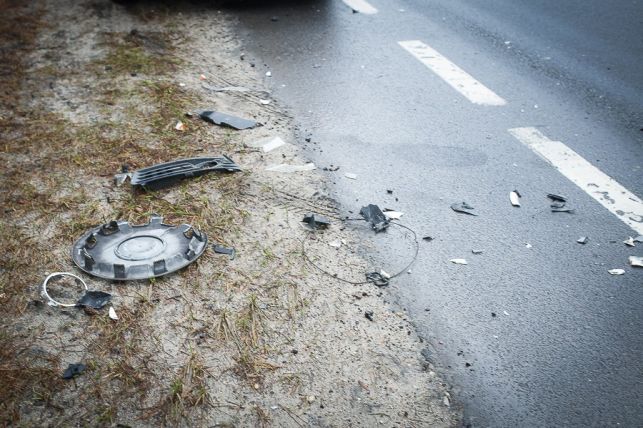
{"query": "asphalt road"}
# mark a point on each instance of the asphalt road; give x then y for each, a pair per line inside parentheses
(564, 347)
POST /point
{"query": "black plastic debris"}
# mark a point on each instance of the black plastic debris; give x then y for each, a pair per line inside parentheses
(377, 279)
(583, 240)
(166, 174)
(316, 221)
(563, 209)
(121, 251)
(464, 208)
(230, 121)
(559, 204)
(374, 215)
(74, 370)
(94, 299)
(427, 238)
(220, 249)
(368, 315)
(555, 197)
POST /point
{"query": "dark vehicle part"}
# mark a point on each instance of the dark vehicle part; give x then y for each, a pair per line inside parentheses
(167, 174)
(463, 207)
(316, 221)
(220, 249)
(230, 121)
(94, 299)
(74, 370)
(374, 215)
(122, 252)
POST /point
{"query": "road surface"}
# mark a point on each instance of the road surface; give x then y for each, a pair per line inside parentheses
(445, 101)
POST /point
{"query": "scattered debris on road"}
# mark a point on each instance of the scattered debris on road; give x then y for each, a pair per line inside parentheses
(392, 215)
(180, 126)
(368, 315)
(583, 240)
(374, 215)
(555, 197)
(559, 204)
(514, 197)
(57, 275)
(230, 121)
(378, 279)
(464, 208)
(477, 252)
(166, 174)
(616, 271)
(459, 261)
(350, 175)
(636, 261)
(427, 238)
(629, 242)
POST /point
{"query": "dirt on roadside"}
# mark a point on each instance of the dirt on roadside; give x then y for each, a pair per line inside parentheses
(264, 339)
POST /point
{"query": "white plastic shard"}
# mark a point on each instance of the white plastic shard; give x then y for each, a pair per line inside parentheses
(459, 261)
(350, 175)
(616, 271)
(636, 261)
(265, 102)
(393, 215)
(291, 168)
(180, 126)
(335, 244)
(629, 242)
(112, 313)
(514, 198)
(268, 144)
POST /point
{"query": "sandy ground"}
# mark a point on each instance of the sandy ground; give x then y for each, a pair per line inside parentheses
(265, 339)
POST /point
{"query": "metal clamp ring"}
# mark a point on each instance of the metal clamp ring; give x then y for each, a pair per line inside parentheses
(52, 302)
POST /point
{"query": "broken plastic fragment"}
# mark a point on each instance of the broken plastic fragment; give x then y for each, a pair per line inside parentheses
(165, 174)
(350, 175)
(94, 299)
(555, 197)
(393, 215)
(316, 221)
(220, 249)
(583, 240)
(121, 178)
(459, 261)
(374, 215)
(202, 77)
(335, 244)
(268, 74)
(616, 271)
(427, 238)
(514, 198)
(563, 209)
(180, 126)
(223, 119)
(629, 242)
(463, 207)
(268, 144)
(112, 313)
(291, 168)
(377, 279)
(476, 252)
(265, 102)
(368, 315)
(74, 370)
(636, 261)
(528, 245)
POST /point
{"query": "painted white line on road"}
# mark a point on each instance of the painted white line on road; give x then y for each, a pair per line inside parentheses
(459, 79)
(607, 191)
(361, 6)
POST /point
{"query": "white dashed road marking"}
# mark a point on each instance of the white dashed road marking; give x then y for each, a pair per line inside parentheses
(361, 6)
(459, 79)
(607, 191)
